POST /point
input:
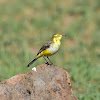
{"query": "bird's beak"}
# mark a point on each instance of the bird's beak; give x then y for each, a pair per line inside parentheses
(63, 35)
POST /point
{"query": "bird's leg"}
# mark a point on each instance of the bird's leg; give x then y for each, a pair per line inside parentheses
(50, 60)
(46, 60)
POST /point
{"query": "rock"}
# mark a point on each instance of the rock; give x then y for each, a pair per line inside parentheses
(46, 82)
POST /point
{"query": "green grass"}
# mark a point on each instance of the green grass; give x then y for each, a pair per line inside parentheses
(26, 25)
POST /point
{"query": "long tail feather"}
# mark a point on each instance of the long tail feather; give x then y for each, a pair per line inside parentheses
(31, 62)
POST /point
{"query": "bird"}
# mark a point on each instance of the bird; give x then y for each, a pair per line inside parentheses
(49, 49)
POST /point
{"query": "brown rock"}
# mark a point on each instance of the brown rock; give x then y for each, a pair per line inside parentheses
(48, 82)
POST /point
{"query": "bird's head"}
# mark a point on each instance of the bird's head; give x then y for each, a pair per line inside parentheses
(58, 36)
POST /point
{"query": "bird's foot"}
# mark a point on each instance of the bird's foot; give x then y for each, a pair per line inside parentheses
(47, 63)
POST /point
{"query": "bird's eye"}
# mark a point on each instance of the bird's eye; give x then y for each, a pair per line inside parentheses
(57, 34)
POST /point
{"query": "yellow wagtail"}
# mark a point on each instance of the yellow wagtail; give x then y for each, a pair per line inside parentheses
(49, 49)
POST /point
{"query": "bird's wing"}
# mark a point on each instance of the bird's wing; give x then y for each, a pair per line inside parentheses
(45, 46)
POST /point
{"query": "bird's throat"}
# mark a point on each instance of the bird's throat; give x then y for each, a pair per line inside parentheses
(56, 41)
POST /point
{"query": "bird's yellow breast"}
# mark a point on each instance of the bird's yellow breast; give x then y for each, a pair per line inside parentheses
(47, 53)
(44, 53)
(51, 50)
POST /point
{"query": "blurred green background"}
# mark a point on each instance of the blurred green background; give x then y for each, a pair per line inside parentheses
(25, 25)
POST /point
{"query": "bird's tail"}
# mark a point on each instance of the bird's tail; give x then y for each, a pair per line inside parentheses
(31, 62)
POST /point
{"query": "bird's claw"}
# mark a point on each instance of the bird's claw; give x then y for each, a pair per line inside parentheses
(47, 63)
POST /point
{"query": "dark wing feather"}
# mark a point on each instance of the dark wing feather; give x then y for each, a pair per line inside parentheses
(45, 46)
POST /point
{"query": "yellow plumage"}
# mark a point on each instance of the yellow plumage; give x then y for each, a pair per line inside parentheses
(49, 49)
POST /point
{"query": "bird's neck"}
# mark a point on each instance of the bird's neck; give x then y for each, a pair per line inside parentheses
(56, 41)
